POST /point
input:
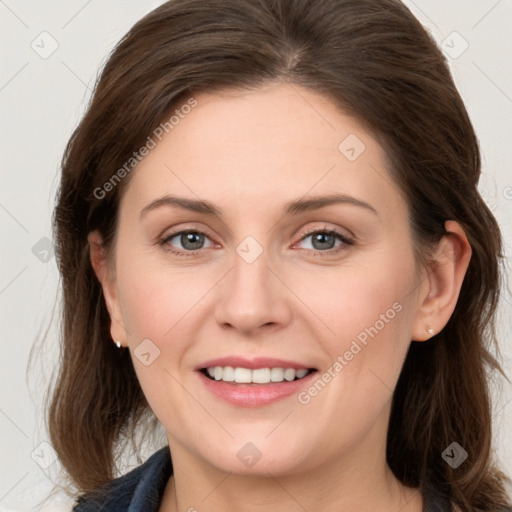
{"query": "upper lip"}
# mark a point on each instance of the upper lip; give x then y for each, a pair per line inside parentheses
(257, 362)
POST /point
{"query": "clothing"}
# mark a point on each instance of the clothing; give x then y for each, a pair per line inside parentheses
(141, 490)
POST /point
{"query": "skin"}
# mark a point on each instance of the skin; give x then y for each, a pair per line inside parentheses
(249, 153)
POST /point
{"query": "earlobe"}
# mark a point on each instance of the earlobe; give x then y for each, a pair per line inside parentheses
(98, 257)
(445, 275)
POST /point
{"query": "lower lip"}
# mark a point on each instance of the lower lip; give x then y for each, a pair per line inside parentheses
(254, 395)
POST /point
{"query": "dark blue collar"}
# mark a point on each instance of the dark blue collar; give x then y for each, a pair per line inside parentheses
(140, 490)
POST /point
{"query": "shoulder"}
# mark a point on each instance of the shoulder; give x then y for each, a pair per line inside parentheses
(140, 489)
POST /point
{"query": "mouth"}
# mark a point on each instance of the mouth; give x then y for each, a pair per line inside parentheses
(253, 383)
(256, 376)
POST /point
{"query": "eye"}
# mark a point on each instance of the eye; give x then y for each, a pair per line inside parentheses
(191, 241)
(324, 240)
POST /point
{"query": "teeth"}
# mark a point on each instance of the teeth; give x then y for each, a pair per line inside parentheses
(228, 374)
(257, 376)
(277, 375)
(301, 373)
(242, 375)
(289, 374)
(261, 375)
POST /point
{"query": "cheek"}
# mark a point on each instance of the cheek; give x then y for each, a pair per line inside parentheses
(367, 313)
(156, 300)
(162, 306)
(360, 303)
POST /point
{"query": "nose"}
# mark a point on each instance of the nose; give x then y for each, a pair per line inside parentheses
(253, 298)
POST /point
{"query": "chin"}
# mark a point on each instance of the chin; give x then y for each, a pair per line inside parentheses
(258, 457)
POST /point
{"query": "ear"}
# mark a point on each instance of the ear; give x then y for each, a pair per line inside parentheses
(441, 288)
(103, 272)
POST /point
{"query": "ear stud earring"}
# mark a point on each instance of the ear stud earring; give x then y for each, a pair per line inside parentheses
(430, 330)
(118, 343)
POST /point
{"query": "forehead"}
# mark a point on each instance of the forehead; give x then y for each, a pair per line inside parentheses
(266, 146)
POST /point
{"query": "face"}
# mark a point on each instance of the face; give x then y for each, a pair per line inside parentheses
(301, 311)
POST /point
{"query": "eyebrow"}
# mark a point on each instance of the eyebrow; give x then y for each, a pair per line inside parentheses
(295, 207)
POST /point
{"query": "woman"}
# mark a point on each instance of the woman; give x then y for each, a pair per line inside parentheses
(225, 144)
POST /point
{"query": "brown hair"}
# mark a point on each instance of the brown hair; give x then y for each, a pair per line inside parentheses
(377, 63)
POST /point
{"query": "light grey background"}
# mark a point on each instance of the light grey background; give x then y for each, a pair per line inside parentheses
(42, 97)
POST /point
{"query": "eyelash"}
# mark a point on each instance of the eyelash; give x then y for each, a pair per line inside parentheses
(327, 231)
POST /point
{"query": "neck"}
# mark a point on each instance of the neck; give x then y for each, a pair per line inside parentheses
(340, 483)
